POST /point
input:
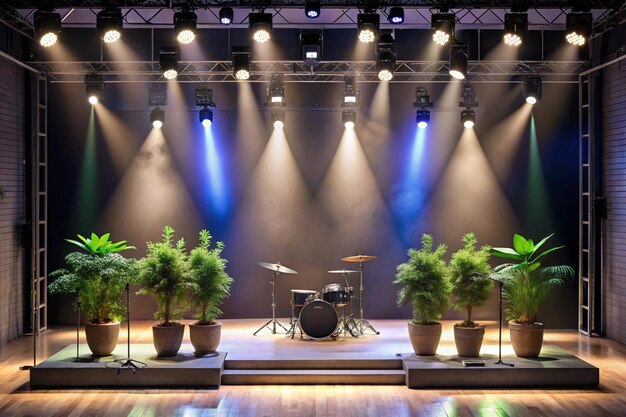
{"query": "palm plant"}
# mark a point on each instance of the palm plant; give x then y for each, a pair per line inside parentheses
(208, 280)
(424, 282)
(527, 283)
(469, 271)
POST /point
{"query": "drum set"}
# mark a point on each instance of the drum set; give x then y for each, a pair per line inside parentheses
(325, 314)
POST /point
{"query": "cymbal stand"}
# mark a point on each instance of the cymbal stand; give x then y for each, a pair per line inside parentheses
(294, 322)
(363, 325)
(273, 321)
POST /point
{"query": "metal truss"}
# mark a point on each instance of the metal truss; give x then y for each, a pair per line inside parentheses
(297, 71)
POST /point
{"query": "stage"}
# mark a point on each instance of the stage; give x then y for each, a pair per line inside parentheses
(384, 359)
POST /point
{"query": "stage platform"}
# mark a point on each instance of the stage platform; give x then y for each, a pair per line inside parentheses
(274, 359)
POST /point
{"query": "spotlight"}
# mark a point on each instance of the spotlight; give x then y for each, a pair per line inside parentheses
(422, 117)
(312, 8)
(109, 23)
(311, 45)
(94, 88)
(515, 27)
(205, 116)
(442, 25)
(241, 62)
(467, 118)
(386, 57)
(260, 26)
(578, 28)
(458, 61)
(276, 91)
(168, 59)
(47, 27)
(532, 89)
(367, 26)
(350, 93)
(348, 117)
(226, 15)
(185, 26)
(396, 15)
(278, 118)
(157, 117)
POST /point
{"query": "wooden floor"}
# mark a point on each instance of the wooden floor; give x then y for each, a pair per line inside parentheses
(16, 399)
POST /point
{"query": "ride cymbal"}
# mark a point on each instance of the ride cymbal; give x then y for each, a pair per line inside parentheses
(359, 258)
(277, 267)
(343, 271)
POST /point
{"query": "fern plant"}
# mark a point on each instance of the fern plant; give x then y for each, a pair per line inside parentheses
(527, 284)
(208, 280)
(162, 275)
(424, 282)
(469, 271)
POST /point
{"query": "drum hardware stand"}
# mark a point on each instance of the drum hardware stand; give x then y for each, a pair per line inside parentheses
(362, 325)
(294, 322)
(127, 363)
(273, 321)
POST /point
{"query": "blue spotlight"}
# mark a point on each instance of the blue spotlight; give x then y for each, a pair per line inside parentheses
(422, 117)
(206, 117)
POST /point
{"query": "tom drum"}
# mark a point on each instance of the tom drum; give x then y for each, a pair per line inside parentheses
(337, 295)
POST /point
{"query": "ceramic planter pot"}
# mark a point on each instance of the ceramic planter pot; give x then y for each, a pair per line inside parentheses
(527, 339)
(205, 338)
(102, 338)
(425, 338)
(167, 339)
(468, 340)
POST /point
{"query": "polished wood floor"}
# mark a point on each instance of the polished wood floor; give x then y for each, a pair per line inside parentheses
(16, 399)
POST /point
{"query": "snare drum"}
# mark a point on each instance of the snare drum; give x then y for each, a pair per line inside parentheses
(318, 319)
(299, 298)
(337, 295)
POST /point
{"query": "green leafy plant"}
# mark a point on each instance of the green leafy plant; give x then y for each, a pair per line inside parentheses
(100, 245)
(208, 280)
(163, 275)
(527, 283)
(99, 278)
(469, 272)
(424, 282)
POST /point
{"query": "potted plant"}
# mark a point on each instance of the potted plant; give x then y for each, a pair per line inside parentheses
(162, 275)
(425, 285)
(209, 285)
(98, 276)
(527, 285)
(469, 272)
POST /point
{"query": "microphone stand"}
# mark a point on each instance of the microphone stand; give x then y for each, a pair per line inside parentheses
(500, 361)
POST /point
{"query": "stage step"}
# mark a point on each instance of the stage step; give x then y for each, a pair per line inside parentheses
(313, 376)
(344, 362)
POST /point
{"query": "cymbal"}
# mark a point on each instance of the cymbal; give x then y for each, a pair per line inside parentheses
(359, 258)
(343, 271)
(277, 267)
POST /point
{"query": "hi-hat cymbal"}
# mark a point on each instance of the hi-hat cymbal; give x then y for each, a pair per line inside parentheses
(343, 271)
(277, 267)
(359, 258)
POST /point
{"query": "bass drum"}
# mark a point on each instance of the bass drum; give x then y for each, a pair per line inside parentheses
(318, 319)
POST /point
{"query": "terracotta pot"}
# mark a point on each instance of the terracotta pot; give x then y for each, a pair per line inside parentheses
(102, 338)
(526, 339)
(425, 338)
(468, 340)
(205, 338)
(167, 339)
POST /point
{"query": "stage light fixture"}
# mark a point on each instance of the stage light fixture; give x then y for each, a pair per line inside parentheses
(204, 98)
(157, 117)
(94, 88)
(47, 27)
(396, 15)
(276, 91)
(311, 46)
(226, 15)
(458, 60)
(532, 89)
(168, 60)
(260, 26)
(367, 25)
(515, 28)
(442, 25)
(578, 27)
(386, 56)
(278, 118)
(422, 117)
(312, 9)
(241, 62)
(348, 117)
(350, 92)
(468, 100)
(205, 116)
(109, 23)
(422, 102)
(185, 26)
(468, 118)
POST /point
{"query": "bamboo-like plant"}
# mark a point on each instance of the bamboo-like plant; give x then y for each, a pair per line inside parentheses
(527, 283)
(208, 280)
(469, 271)
(424, 282)
(162, 275)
